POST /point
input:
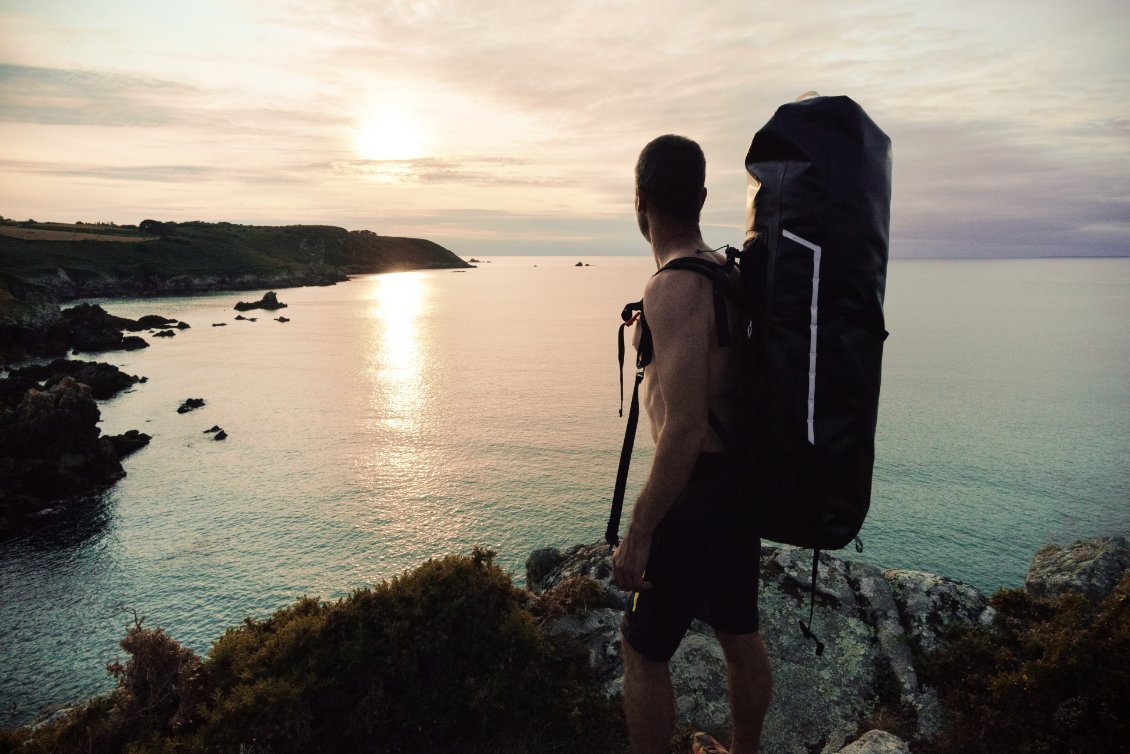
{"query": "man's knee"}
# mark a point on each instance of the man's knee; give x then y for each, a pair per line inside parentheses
(746, 651)
(636, 662)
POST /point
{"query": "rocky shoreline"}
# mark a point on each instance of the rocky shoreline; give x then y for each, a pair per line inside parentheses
(877, 624)
(51, 449)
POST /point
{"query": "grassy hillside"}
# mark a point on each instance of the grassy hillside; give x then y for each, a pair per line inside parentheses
(197, 256)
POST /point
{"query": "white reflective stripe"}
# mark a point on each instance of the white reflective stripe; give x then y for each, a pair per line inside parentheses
(811, 329)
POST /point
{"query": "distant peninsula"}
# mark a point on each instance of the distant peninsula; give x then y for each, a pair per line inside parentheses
(53, 262)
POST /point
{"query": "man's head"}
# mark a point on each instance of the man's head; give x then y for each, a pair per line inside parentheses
(671, 178)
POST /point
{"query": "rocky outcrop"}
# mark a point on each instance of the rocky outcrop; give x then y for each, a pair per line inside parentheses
(30, 328)
(877, 742)
(93, 329)
(871, 622)
(127, 443)
(44, 330)
(269, 301)
(50, 449)
(50, 444)
(875, 625)
(190, 404)
(1091, 568)
(104, 380)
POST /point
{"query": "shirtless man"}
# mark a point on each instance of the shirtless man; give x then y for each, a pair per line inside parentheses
(690, 550)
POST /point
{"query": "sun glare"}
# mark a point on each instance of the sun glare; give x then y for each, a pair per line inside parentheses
(390, 135)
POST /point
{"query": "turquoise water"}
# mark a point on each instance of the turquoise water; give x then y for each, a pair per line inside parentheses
(404, 416)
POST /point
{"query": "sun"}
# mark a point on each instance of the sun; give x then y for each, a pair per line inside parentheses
(390, 135)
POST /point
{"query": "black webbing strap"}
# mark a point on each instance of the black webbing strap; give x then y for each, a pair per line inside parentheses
(717, 274)
(612, 533)
(806, 628)
(630, 314)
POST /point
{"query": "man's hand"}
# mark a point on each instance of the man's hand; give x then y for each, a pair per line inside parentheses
(629, 561)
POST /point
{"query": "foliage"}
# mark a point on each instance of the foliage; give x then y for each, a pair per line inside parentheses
(1048, 676)
(442, 658)
(219, 250)
(577, 594)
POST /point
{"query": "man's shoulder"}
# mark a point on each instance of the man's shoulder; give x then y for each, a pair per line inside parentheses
(676, 293)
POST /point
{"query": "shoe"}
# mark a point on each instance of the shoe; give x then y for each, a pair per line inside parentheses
(704, 743)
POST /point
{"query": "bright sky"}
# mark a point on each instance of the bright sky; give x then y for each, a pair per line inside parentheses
(512, 126)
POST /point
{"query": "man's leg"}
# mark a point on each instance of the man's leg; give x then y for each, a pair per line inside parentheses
(749, 678)
(649, 702)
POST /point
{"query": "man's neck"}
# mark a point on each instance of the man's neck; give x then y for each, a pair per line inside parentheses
(672, 242)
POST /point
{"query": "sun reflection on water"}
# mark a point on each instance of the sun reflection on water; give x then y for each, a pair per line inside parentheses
(399, 300)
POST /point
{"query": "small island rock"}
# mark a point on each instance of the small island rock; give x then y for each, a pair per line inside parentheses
(190, 404)
(269, 301)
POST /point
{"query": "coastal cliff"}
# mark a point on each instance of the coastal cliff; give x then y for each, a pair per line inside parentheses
(40, 263)
(452, 657)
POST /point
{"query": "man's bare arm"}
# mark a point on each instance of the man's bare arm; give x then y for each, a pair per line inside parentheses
(679, 312)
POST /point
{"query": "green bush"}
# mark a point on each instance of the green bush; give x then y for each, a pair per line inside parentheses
(1048, 676)
(440, 659)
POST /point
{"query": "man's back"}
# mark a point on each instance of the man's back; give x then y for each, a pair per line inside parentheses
(680, 303)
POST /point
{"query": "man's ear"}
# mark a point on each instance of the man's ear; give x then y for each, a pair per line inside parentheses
(641, 201)
(702, 199)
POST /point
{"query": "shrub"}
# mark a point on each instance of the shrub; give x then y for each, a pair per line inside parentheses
(440, 659)
(1048, 676)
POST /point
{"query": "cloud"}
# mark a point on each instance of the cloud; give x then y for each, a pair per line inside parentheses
(84, 97)
(474, 171)
(1008, 119)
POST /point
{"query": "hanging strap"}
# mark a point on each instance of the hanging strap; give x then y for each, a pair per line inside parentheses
(612, 533)
(806, 628)
(631, 313)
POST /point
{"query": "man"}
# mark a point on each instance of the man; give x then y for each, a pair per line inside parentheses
(690, 550)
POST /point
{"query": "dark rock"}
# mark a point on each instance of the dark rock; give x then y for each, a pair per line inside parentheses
(221, 435)
(269, 301)
(92, 329)
(215, 428)
(579, 264)
(876, 742)
(50, 449)
(30, 329)
(928, 603)
(14, 387)
(153, 321)
(282, 319)
(240, 316)
(128, 443)
(1091, 567)
(104, 380)
(190, 404)
(220, 324)
(134, 343)
(164, 334)
(183, 326)
(252, 319)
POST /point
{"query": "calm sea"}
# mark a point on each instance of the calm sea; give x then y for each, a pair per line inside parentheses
(410, 415)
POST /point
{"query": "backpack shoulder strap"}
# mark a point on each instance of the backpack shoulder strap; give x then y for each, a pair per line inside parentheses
(719, 276)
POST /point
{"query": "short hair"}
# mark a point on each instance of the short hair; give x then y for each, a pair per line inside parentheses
(671, 170)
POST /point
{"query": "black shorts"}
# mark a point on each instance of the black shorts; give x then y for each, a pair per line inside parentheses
(704, 564)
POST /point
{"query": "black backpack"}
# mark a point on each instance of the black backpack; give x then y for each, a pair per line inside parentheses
(813, 276)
